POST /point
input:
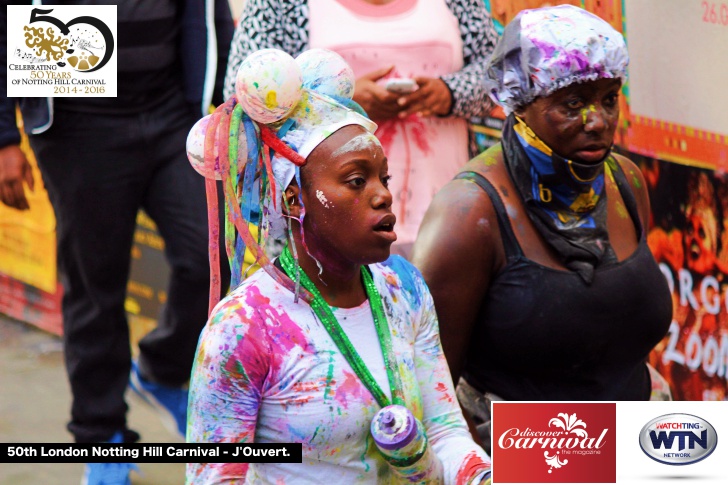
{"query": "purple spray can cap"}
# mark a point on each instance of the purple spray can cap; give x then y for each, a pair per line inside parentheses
(393, 427)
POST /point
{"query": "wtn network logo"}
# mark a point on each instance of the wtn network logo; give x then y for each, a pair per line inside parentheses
(678, 439)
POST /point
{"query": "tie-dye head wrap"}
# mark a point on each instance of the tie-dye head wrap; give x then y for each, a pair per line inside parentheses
(255, 143)
(546, 49)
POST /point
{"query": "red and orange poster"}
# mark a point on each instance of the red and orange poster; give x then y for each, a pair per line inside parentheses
(677, 129)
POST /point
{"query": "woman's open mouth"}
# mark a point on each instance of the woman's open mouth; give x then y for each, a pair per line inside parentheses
(592, 154)
(385, 227)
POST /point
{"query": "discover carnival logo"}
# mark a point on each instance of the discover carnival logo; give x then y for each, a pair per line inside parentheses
(678, 439)
(62, 51)
(554, 442)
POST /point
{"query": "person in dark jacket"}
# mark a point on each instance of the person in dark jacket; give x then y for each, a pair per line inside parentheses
(103, 159)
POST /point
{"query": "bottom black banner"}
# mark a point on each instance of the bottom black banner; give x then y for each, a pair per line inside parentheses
(150, 453)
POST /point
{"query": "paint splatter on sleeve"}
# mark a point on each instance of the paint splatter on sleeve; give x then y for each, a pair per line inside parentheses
(462, 459)
(226, 386)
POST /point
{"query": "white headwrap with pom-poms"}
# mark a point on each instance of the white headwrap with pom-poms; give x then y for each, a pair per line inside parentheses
(546, 49)
(282, 107)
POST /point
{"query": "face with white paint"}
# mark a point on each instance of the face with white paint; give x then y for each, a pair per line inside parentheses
(577, 122)
(348, 205)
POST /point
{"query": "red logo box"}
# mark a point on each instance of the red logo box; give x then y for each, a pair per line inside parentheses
(554, 442)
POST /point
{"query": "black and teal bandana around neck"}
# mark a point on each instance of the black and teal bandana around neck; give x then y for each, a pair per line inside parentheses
(565, 200)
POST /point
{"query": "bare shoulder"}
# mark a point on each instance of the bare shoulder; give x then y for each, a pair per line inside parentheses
(455, 217)
(458, 251)
(629, 168)
(637, 182)
(487, 163)
(460, 227)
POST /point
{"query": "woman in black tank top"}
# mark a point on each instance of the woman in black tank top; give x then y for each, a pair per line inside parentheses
(536, 254)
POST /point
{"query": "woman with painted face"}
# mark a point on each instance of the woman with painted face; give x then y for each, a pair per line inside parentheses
(419, 66)
(536, 253)
(309, 348)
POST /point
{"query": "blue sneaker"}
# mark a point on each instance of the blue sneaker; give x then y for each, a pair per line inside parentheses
(170, 402)
(109, 473)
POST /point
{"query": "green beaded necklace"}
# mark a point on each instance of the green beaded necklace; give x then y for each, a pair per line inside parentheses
(328, 320)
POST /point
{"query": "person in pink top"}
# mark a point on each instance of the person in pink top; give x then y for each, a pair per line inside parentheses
(440, 44)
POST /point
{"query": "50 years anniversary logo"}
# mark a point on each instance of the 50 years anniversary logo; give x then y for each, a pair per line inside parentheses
(61, 51)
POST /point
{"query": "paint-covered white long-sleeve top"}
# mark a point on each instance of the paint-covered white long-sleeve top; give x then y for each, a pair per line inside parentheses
(266, 371)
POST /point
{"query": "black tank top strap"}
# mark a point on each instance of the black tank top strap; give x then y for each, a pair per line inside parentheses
(510, 243)
(630, 201)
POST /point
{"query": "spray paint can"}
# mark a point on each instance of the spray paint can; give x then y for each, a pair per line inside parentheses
(402, 441)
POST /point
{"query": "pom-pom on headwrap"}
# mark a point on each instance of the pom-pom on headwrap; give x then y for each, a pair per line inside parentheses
(256, 141)
(546, 49)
